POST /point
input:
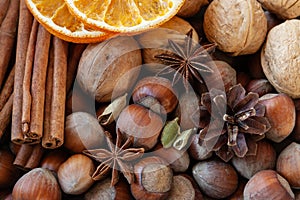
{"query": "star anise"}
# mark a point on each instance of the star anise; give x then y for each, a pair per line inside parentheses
(237, 122)
(117, 157)
(187, 61)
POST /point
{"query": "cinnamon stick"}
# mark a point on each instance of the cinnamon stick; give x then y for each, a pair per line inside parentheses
(75, 51)
(7, 89)
(38, 86)
(5, 115)
(4, 4)
(8, 31)
(24, 29)
(26, 106)
(29, 156)
(55, 137)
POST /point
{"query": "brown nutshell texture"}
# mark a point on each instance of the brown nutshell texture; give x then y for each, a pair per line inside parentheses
(287, 9)
(242, 31)
(279, 57)
(109, 69)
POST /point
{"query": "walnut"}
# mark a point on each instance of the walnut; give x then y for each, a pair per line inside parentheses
(286, 9)
(280, 57)
(238, 27)
(109, 69)
(191, 7)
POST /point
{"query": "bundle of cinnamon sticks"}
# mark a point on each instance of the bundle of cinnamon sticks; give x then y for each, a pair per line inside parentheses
(37, 70)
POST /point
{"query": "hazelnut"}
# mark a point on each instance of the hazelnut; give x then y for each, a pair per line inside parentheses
(198, 151)
(104, 191)
(179, 160)
(160, 89)
(110, 68)
(82, 131)
(39, 183)
(254, 68)
(153, 179)
(215, 178)
(285, 9)
(281, 113)
(259, 86)
(75, 174)
(226, 73)
(141, 123)
(9, 173)
(182, 188)
(238, 194)
(230, 33)
(188, 104)
(278, 58)
(53, 159)
(287, 164)
(191, 7)
(268, 184)
(265, 158)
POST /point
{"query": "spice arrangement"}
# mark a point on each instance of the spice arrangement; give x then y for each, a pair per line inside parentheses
(149, 100)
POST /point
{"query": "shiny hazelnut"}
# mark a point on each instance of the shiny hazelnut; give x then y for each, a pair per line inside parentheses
(198, 151)
(153, 179)
(141, 123)
(288, 164)
(188, 104)
(265, 158)
(182, 188)
(104, 191)
(39, 183)
(238, 194)
(215, 178)
(226, 74)
(281, 113)
(179, 160)
(82, 131)
(160, 89)
(243, 78)
(9, 173)
(75, 174)
(53, 159)
(268, 184)
(260, 86)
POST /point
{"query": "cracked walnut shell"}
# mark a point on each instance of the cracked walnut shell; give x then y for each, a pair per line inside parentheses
(280, 58)
(238, 27)
(286, 9)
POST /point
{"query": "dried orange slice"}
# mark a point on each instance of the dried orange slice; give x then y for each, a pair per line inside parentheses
(124, 15)
(56, 18)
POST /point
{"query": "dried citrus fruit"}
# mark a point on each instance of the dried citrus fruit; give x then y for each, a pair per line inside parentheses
(124, 16)
(56, 18)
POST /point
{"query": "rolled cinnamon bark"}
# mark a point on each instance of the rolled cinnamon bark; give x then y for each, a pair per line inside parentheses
(38, 86)
(55, 137)
(24, 29)
(8, 32)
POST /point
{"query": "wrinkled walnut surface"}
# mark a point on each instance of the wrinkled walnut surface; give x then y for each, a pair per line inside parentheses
(287, 9)
(280, 58)
(238, 27)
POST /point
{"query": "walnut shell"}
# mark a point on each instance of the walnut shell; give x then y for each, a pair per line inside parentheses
(242, 31)
(286, 9)
(110, 68)
(191, 7)
(280, 57)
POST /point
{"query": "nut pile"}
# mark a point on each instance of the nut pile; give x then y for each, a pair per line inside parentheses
(206, 106)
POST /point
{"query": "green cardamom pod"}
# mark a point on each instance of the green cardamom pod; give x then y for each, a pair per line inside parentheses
(170, 132)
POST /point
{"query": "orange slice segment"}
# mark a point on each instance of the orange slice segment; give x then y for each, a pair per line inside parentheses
(124, 15)
(54, 15)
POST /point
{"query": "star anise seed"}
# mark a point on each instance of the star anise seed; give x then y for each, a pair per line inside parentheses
(187, 60)
(117, 157)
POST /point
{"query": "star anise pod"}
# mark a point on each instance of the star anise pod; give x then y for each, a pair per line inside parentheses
(237, 122)
(187, 61)
(118, 157)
